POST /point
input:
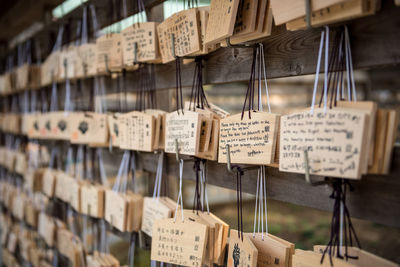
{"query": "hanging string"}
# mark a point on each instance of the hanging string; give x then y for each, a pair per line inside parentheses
(131, 253)
(180, 200)
(178, 92)
(198, 97)
(321, 45)
(239, 204)
(333, 246)
(250, 87)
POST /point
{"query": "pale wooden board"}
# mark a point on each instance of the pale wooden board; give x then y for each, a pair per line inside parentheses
(221, 20)
(66, 63)
(241, 253)
(271, 252)
(380, 141)
(115, 210)
(303, 258)
(153, 209)
(184, 127)
(138, 131)
(89, 128)
(391, 134)
(145, 35)
(340, 12)
(341, 134)
(109, 45)
(187, 239)
(60, 124)
(287, 10)
(49, 182)
(365, 258)
(369, 108)
(88, 55)
(246, 17)
(92, 200)
(252, 141)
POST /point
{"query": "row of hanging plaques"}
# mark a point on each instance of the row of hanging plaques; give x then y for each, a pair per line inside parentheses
(191, 32)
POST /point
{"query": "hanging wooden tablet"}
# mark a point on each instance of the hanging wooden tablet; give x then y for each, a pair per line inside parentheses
(271, 252)
(139, 130)
(369, 108)
(89, 128)
(221, 21)
(116, 209)
(303, 258)
(203, 23)
(109, 53)
(241, 252)
(88, 56)
(264, 18)
(21, 163)
(92, 200)
(154, 209)
(177, 242)
(334, 141)
(251, 140)
(287, 10)
(49, 182)
(220, 237)
(362, 257)
(135, 211)
(184, 25)
(34, 76)
(391, 133)
(66, 68)
(31, 214)
(32, 124)
(186, 129)
(339, 12)
(159, 135)
(22, 77)
(50, 68)
(61, 124)
(63, 182)
(144, 34)
(246, 17)
(47, 229)
(74, 188)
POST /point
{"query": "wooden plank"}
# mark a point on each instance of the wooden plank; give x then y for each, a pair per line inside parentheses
(370, 201)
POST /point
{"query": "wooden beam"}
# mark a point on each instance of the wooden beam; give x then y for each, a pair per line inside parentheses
(375, 197)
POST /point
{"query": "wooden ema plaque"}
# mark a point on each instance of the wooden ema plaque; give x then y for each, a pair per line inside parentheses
(303, 258)
(263, 26)
(123, 211)
(334, 141)
(89, 128)
(364, 258)
(137, 131)
(287, 10)
(88, 56)
(144, 34)
(221, 21)
(184, 25)
(67, 63)
(49, 182)
(339, 12)
(154, 209)
(60, 123)
(370, 109)
(22, 77)
(272, 251)
(185, 128)
(246, 17)
(50, 68)
(241, 253)
(251, 141)
(92, 200)
(180, 243)
(159, 135)
(108, 48)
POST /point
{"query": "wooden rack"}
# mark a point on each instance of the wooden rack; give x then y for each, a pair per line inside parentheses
(375, 43)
